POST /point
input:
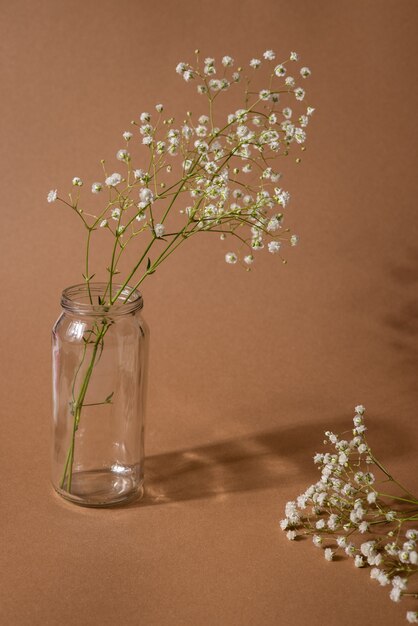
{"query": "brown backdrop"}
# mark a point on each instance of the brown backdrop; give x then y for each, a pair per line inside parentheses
(246, 369)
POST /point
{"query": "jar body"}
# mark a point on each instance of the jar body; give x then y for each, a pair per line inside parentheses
(100, 362)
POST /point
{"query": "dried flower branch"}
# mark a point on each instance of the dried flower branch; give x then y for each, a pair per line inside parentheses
(219, 171)
(346, 507)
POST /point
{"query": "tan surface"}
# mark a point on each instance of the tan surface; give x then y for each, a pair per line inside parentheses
(246, 370)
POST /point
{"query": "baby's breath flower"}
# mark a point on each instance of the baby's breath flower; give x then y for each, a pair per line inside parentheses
(343, 491)
(96, 187)
(371, 497)
(122, 155)
(269, 55)
(77, 182)
(227, 61)
(231, 258)
(103, 224)
(159, 230)
(115, 214)
(359, 561)
(255, 63)
(159, 108)
(291, 535)
(113, 180)
(299, 93)
(294, 56)
(328, 554)
(395, 594)
(249, 259)
(412, 617)
(280, 70)
(264, 94)
(52, 195)
(127, 135)
(274, 247)
(146, 196)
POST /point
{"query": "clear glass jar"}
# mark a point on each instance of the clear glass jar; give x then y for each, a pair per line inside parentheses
(100, 362)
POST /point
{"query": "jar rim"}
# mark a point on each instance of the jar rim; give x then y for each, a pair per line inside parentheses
(83, 299)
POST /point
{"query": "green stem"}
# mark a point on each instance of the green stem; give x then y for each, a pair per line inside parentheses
(68, 469)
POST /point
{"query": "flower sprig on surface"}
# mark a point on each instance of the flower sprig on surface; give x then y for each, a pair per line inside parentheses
(218, 170)
(345, 511)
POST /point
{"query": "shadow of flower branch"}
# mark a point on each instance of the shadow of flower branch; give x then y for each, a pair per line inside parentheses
(253, 462)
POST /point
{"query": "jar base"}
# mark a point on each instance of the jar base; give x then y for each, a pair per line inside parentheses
(102, 488)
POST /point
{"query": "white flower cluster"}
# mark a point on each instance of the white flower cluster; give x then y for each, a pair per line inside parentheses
(345, 511)
(227, 182)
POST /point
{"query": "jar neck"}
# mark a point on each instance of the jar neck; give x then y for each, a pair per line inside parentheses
(93, 300)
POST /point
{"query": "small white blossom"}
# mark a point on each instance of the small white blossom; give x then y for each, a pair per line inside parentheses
(227, 61)
(280, 70)
(291, 535)
(398, 581)
(359, 561)
(269, 55)
(383, 579)
(231, 258)
(103, 224)
(328, 554)
(294, 56)
(255, 63)
(159, 230)
(274, 247)
(115, 214)
(412, 617)
(371, 497)
(127, 135)
(395, 594)
(52, 196)
(122, 155)
(96, 187)
(77, 182)
(146, 196)
(113, 180)
(249, 259)
(305, 72)
(264, 94)
(299, 93)
(159, 108)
